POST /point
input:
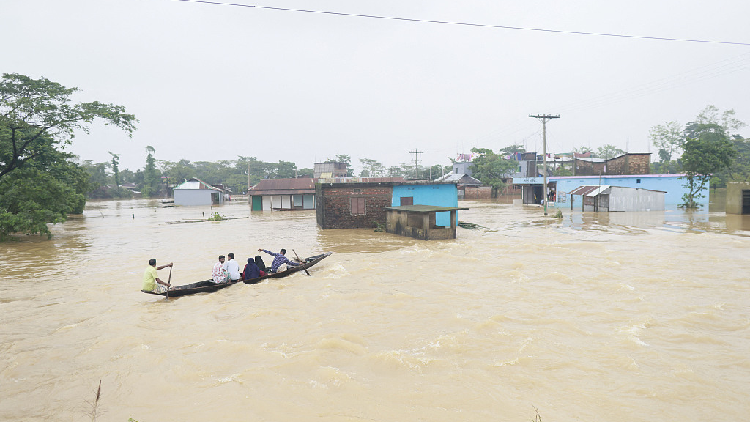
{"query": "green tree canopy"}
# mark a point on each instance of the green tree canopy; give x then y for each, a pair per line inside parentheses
(37, 115)
(491, 168)
(707, 150)
(39, 184)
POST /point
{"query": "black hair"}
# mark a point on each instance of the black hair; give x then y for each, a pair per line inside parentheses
(283, 251)
(152, 261)
(221, 256)
(231, 255)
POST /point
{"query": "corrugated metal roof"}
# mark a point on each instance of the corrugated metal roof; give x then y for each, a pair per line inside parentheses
(590, 190)
(300, 184)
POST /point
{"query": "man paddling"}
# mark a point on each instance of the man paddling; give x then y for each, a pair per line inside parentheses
(279, 259)
(150, 278)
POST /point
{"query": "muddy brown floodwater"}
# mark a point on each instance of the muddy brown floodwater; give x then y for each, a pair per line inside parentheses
(608, 317)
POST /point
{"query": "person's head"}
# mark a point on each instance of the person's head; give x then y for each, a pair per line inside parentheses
(283, 251)
(152, 262)
(231, 255)
(250, 261)
(221, 258)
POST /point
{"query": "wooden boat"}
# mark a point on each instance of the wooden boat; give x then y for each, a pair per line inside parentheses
(205, 286)
(307, 263)
(208, 286)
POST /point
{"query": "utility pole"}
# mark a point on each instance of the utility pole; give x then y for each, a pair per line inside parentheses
(416, 153)
(544, 118)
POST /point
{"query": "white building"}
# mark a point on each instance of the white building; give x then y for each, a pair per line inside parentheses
(197, 192)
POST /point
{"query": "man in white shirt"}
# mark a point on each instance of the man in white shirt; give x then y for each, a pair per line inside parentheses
(232, 267)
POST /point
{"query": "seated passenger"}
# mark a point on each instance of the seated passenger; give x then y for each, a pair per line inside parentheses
(252, 271)
(219, 274)
(261, 265)
(232, 267)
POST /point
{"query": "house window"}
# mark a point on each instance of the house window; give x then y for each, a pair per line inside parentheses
(358, 206)
(407, 200)
(637, 180)
(356, 190)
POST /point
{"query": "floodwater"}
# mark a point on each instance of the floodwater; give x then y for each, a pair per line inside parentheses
(608, 317)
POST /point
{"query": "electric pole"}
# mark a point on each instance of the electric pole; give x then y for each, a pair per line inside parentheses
(416, 153)
(544, 118)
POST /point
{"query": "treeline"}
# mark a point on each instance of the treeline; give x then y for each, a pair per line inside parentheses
(106, 180)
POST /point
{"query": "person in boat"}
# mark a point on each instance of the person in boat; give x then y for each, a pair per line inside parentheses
(252, 271)
(279, 259)
(219, 274)
(151, 281)
(259, 262)
(232, 267)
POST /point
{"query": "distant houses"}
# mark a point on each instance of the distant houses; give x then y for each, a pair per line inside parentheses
(283, 194)
(197, 192)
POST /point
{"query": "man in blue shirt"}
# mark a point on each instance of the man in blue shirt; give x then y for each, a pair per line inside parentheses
(279, 259)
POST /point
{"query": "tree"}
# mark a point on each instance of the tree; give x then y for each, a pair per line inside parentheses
(371, 168)
(115, 168)
(150, 175)
(707, 150)
(37, 115)
(40, 183)
(609, 151)
(511, 150)
(491, 168)
(668, 139)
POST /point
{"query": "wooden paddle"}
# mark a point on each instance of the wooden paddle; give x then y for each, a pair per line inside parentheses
(301, 263)
(169, 281)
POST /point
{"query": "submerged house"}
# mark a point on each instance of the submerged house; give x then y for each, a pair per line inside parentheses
(364, 204)
(282, 195)
(605, 198)
(738, 198)
(197, 192)
(420, 221)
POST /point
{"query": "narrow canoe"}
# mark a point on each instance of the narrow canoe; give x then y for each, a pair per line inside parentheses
(205, 286)
(307, 263)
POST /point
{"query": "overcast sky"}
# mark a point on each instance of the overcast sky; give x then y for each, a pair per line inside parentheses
(212, 82)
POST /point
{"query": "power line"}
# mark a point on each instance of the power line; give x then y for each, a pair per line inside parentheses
(478, 25)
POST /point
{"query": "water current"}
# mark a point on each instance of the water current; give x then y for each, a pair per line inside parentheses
(594, 317)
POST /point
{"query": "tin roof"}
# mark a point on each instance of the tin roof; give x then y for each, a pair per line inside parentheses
(589, 190)
(284, 186)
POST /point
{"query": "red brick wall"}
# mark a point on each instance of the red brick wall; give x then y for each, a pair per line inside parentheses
(483, 192)
(333, 209)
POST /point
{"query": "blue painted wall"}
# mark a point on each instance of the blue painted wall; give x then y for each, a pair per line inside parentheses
(672, 184)
(437, 195)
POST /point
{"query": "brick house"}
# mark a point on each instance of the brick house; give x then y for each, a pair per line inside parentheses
(352, 205)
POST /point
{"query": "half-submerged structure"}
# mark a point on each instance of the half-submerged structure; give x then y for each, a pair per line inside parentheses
(419, 221)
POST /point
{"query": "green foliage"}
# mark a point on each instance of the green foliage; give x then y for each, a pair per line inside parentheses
(511, 150)
(43, 191)
(371, 168)
(706, 151)
(39, 184)
(216, 217)
(491, 168)
(151, 181)
(668, 139)
(609, 151)
(38, 115)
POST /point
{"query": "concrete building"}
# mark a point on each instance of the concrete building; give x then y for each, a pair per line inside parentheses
(738, 198)
(363, 204)
(352, 205)
(673, 186)
(197, 192)
(605, 198)
(420, 221)
(282, 195)
(330, 170)
(465, 183)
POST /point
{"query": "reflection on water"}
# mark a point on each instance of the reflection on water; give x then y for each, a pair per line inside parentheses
(611, 316)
